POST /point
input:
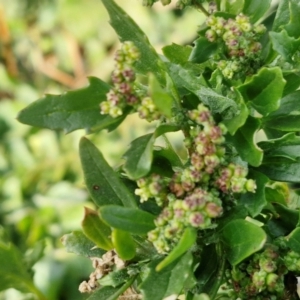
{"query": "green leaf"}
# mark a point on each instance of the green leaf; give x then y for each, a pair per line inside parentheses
(73, 110)
(123, 244)
(288, 146)
(287, 217)
(293, 240)
(128, 30)
(96, 230)
(234, 6)
(292, 83)
(264, 90)
(285, 45)
(140, 154)
(202, 50)
(187, 240)
(13, 272)
(76, 242)
(111, 293)
(281, 169)
(255, 9)
(274, 195)
(171, 279)
(217, 103)
(114, 278)
(255, 202)
(133, 220)
(161, 98)
(177, 54)
(244, 142)
(293, 27)
(103, 184)
(241, 239)
(282, 16)
(287, 117)
(239, 119)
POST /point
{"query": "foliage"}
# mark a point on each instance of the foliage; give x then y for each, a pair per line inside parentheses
(221, 223)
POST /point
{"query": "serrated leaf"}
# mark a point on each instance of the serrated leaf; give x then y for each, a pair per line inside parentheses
(264, 90)
(255, 202)
(242, 239)
(244, 142)
(73, 110)
(171, 279)
(133, 220)
(255, 9)
(123, 244)
(186, 241)
(186, 78)
(103, 184)
(287, 117)
(281, 169)
(282, 16)
(293, 240)
(128, 30)
(161, 98)
(177, 54)
(239, 119)
(293, 27)
(77, 243)
(140, 154)
(285, 45)
(202, 50)
(96, 230)
(109, 292)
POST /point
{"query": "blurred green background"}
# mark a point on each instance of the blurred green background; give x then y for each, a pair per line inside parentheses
(51, 46)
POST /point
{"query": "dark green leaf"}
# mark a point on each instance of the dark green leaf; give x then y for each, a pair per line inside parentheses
(73, 110)
(238, 120)
(255, 202)
(185, 243)
(34, 254)
(282, 15)
(281, 169)
(217, 103)
(293, 27)
(287, 117)
(243, 141)
(241, 239)
(177, 54)
(128, 30)
(273, 195)
(255, 9)
(292, 83)
(114, 278)
(171, 279)
(103, 184)
(288, 218)
(294, 240)
(109, 292)
(133, 220)
(237, 212)
(285, 45)
(203, 50)
(140, 154)
(287, 146)
(264, 90)
(123, 244)
(76, 242)
(161, 98)
(96, 230)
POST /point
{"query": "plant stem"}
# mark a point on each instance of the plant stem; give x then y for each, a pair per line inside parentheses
(201, 7)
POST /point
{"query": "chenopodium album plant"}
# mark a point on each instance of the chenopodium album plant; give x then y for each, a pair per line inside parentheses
(223, 223)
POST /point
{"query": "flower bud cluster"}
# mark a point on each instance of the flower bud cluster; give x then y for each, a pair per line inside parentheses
(262, 275)
(192, 197)
(292, 261)
(102, 266)
(123, 93)
(241, 40)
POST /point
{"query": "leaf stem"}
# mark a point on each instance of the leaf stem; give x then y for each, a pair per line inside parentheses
(201, 7)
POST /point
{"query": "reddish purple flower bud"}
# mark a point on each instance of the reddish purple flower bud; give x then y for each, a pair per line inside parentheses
(128, 74)
(196, 219)
(213, 210)
(176, 189)
(125, 88)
